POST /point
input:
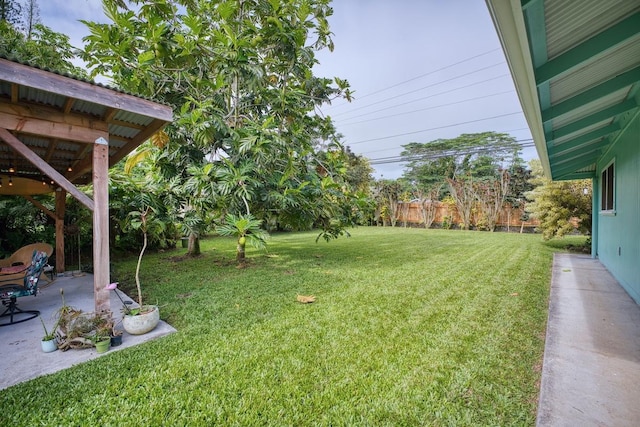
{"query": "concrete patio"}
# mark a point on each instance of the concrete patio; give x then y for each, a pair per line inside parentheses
(20, 343)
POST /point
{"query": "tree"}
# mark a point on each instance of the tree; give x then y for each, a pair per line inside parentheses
(245, 228)
(556, 203)
(427, 200)
(10, 13)
(32, 17)
(491, 194)
(389, 194)
(463, 193)
(36, 44)
(478, 154)
(239, 76)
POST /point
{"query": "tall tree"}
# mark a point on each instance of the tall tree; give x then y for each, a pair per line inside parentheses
(239, 75)
(463, 192)
(32, 17)
(10, 13)
(36, 43)
(491, 194)
(478, 154)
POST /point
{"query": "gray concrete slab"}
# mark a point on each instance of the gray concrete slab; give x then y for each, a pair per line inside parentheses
(591, 369)
(20, 350)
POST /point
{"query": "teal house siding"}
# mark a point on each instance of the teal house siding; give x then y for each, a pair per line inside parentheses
(618, 241)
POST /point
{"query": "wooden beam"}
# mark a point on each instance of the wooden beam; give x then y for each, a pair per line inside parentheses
(61, 204)
(54, 125)
(35, 78)
(603, 89)
(101, 225)
(605, 40)
(595, 117)
(50, 150)
(141, 137)
(15, 92)
(40, 206)
(68, 104)
(45, 168)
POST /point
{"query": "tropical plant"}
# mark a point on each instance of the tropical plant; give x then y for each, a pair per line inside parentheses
(557, 203)
(49, 335)
(245, 228)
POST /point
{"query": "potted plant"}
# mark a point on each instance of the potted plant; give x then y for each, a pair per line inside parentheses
(116, 334)
(49, 340)
(143, 318)
(101, 339)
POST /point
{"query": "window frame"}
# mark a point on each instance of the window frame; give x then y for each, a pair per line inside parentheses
(608, 189)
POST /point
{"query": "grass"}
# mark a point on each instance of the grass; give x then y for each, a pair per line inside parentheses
(411, 327)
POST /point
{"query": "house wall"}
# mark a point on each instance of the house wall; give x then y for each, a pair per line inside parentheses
(618, 243)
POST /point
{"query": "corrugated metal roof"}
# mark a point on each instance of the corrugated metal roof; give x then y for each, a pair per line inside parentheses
(590, 108)
(569, 23)
(615, 61)
(59, 118)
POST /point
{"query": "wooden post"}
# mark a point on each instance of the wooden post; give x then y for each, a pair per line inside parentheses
(61, 197)
(101, 225)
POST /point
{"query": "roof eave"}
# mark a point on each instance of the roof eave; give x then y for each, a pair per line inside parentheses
(509, 22)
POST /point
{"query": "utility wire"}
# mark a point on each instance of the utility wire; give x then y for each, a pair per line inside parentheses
(418, 77)
(435, 128)
(395, 148)
(433, 156)
(420, 89)
(428, 108)
(424, 97)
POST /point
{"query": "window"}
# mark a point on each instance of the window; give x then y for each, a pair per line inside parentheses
(608, 188)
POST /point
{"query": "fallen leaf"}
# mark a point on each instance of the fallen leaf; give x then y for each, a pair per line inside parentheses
(306, 299)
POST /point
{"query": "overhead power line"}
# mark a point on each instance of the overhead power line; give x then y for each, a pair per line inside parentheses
(428, 108)
(432, 156)
(419, 89)
(434, 128)
(425, 97)
(419, 77)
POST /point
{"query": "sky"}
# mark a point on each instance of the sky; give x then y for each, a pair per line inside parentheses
(420, 70)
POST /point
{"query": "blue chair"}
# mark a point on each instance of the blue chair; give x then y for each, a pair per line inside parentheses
(9, 292)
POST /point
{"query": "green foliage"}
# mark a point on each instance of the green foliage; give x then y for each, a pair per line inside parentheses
(239, 76)
(478, 154)
(23, 223)
(245, 228)
(38, 45)
(381, 345)
(556, 203)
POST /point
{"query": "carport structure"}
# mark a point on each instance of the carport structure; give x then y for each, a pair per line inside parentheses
(57, 133)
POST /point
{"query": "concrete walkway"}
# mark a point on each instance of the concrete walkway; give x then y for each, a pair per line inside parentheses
(591, 372)
(20, 349)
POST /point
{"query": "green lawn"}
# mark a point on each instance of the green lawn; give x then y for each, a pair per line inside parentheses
(411, 327)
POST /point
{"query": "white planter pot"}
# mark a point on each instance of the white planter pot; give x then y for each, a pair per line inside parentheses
(142, 323)
(49, 346)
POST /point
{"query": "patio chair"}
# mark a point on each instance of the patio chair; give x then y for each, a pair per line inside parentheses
(23, 257)
(10, 290)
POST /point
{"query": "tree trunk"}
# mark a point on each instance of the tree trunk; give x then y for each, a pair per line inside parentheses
(194, 245)
(240, 255)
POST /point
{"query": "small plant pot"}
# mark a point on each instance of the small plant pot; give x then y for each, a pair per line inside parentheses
(49, 345)
(142, 323)
(116, 340)
(103, 346)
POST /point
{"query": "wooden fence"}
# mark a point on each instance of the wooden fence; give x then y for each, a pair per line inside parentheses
(508, 219)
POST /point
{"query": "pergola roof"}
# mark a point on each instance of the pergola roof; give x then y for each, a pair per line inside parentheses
(61, 129)
(576, 66)
(59, 117)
